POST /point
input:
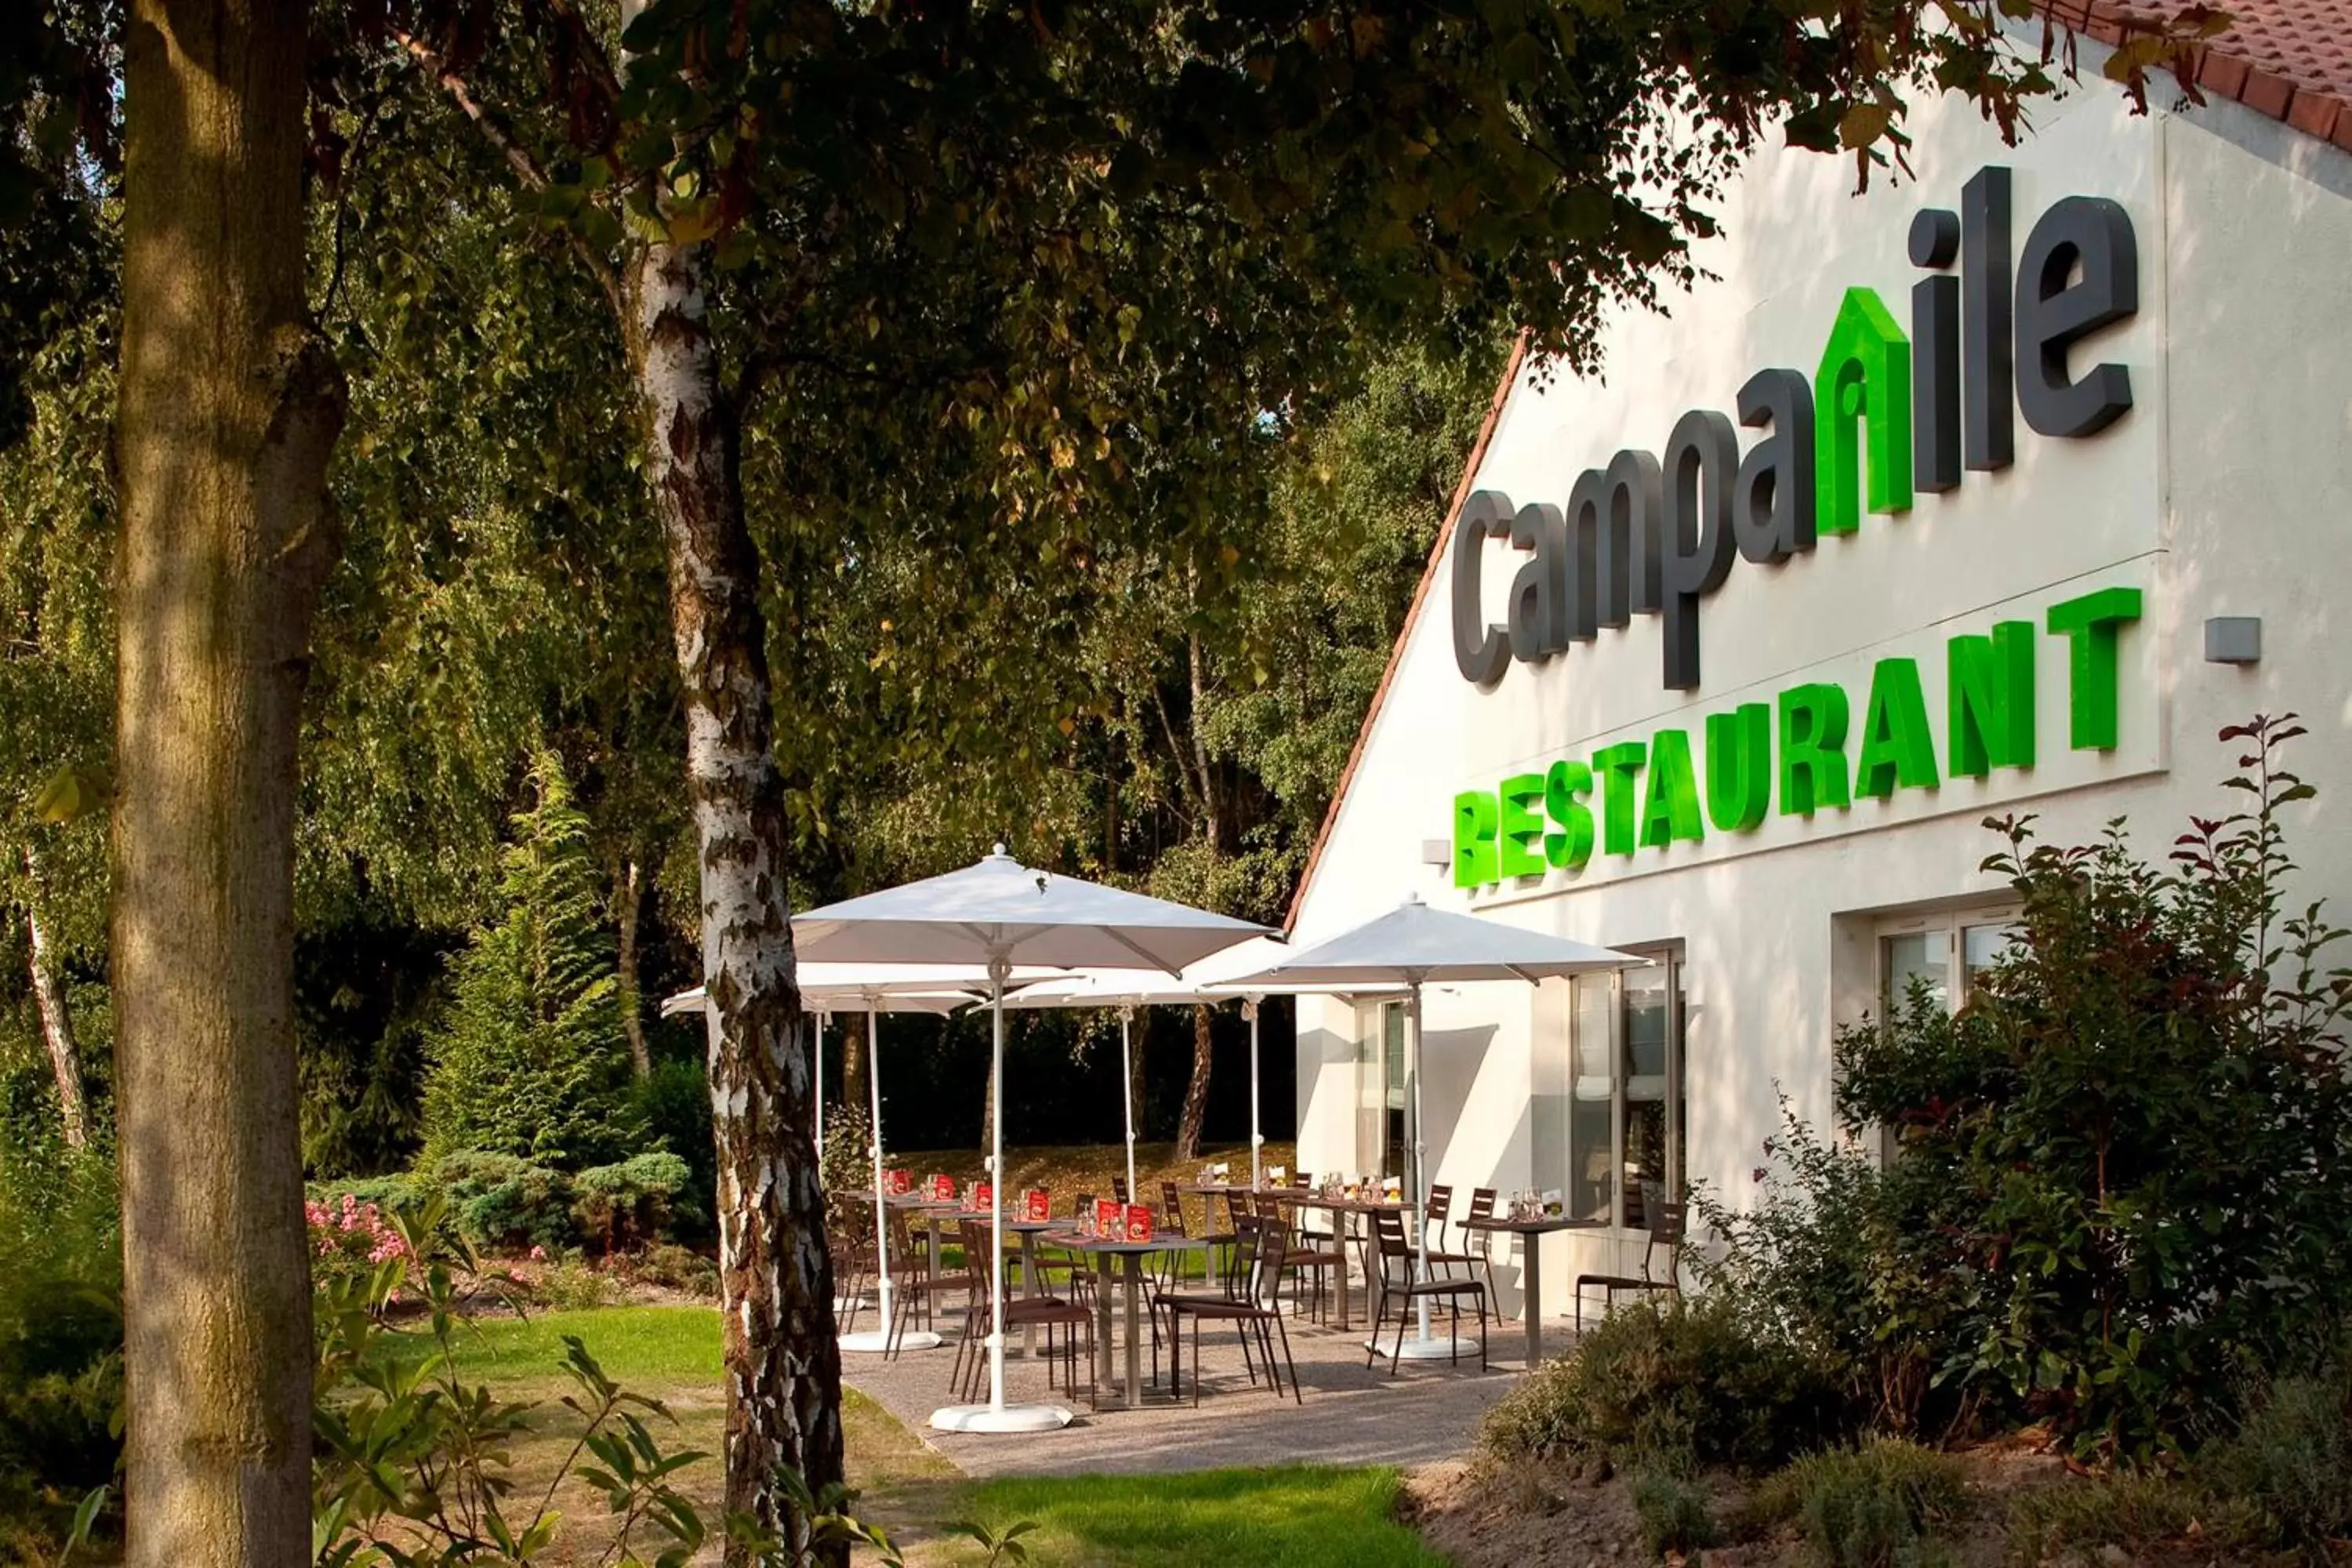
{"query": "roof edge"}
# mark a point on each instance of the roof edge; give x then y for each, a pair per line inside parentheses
(1420, 592)
(2217, 69)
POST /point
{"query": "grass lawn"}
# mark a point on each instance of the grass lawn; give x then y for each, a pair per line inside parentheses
(1292, 1517)
(1296, 1516)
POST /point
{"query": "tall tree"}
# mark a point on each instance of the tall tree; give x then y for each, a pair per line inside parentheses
(230, 405)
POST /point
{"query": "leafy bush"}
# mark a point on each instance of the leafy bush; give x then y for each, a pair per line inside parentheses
(847, 1162)
(1872, 1507)
(2290, 1463)
(633, 1202)
(2125, 1167)
(1673, 1513)
(674, 1103)
(61, 1334)
(1684, 1379)
(2131, 1511)
(676, 1267)
(500, 1201)
(531, 1060)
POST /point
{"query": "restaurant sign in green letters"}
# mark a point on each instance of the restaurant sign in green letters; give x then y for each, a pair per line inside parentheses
(1817, 746)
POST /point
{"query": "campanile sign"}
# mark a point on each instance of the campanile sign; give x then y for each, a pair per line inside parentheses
(1996, 330)
(1993, 337)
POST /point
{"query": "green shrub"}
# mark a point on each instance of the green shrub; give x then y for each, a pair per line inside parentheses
(2290, 1463)
(1684, 1378)
(674, 1268)
(2122, 1164)
(2072, 1520)
(674, 1103)
(500, 1201)
(531, 1059)
(1673, 1513)
(628, 1205)
(1871, 1507)
(61, 1334)
(569, 1284)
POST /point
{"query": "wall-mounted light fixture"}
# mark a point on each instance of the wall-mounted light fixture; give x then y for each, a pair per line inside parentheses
(2233, 639)
(1437, 852)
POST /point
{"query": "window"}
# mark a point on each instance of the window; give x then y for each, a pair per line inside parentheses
(1625, 1099)
(1380, 1093)
(1944, 952)
(1392, 1150)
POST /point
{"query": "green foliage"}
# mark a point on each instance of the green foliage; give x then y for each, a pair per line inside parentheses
(501, 1200)
(674, 1268)
(1673, 1513)
(629, 1203)
(1878, 1506)
(2289, 1464)
(847, 1161)
(61, 1334)
(530, 1059)
(2072, 1520)
(2125, 1168)
(1652, 1385)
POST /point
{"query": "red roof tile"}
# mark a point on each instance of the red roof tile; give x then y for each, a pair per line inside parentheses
(2291, 60)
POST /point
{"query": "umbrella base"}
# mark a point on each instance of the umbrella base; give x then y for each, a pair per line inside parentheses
(1434, 1348)
(1000, 1418)
(876, 1341)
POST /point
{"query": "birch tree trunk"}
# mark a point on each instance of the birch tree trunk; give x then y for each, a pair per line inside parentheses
(57, 1022)
(782, 1366)
(229, 409)
(629, 896)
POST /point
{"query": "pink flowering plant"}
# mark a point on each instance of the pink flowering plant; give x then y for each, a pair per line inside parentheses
(349, 1237)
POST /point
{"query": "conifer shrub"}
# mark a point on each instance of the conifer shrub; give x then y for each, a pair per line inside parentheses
(530, 1059)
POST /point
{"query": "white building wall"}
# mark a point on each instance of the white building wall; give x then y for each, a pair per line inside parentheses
(2227, 490)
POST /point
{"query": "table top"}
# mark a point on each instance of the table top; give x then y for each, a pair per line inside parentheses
(1311, 1199)
(1538, 1224)
(1079, 1243)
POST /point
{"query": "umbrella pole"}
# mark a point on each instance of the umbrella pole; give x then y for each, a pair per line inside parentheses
(819, 1097)
(873, 1139)
(1127, 1096)
(996, 972)
(1257, 1138)
(1420, 1155)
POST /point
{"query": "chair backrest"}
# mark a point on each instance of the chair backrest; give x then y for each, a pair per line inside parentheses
(1387, 1234)
(902, 1236)
(1243, 1256)
(1440, 1205)
(976, 1247)
(1239, 1207)
(1264, 1276)
(1118, 1190)
(1171, 1209)
(1666, 1231)
(1482, 1202)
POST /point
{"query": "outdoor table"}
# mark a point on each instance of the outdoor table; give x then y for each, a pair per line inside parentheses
(1131, 1255)
(1531, 1279)
(1339, 1209)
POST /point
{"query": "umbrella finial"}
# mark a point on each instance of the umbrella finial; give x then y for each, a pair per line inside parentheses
(1413, 897)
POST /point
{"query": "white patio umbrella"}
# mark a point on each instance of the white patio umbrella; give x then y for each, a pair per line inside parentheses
(1410, 946)
(995, 913)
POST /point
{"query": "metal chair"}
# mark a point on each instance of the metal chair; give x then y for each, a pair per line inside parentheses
(1050, 1313)
(1245, 1305)
(1395, 1257)
(916, 1284)
(1665, 1229)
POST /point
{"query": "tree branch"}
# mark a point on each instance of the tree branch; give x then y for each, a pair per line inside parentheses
(508, 146)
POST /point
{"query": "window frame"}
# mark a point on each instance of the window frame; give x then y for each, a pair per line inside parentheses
(1669, 957)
